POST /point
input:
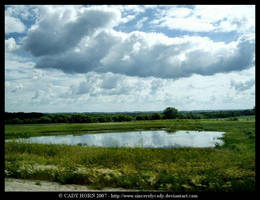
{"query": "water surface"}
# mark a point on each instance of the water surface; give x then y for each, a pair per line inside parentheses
(146, 139)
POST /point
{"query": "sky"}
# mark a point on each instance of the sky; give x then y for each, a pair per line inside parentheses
(117, 58)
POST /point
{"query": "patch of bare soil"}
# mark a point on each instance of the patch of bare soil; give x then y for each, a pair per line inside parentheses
(39, 185)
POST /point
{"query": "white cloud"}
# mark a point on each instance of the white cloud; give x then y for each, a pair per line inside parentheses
(127, 19)
(13, 25)
(10, 44)
(188, 24)
(241, 86)
(230, 17)
(101, 69)
(206, 18)
(140, 23)
(38, 74)
(97, 47)
(104, 92)
(149, 54)
(135, 9)
(55, 31)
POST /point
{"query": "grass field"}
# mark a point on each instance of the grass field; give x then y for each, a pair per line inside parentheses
(230, 167)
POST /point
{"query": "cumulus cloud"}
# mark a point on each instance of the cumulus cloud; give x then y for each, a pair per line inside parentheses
(13, 25)
(96, 47)
(10, 44)
(149, 54)
(57, 32)
(95, 63)
(109, 84)
(228, 18)
(242, 86)
(111, 81)
(205, 18)
(235, 56)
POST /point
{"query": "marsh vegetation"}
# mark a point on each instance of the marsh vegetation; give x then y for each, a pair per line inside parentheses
(230, 167)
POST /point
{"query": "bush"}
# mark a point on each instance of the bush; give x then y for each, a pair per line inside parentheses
(156, 116)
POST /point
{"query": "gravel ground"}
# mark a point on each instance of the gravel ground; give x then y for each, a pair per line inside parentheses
(39, 185)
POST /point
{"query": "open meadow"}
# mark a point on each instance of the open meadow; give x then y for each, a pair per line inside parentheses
(230, 167)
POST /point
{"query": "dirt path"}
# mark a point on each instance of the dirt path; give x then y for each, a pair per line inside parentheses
(38, 185)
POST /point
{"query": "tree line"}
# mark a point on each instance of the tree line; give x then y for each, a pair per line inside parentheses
(168, 113)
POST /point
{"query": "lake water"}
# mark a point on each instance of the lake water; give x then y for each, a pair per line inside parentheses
(146, 139)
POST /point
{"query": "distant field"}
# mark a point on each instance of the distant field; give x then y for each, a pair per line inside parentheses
(230, 167)
(28, 130)
(246, 117)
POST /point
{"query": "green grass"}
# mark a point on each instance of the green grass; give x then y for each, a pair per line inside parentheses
(23, 131)
(246, 117)
(230, 167)
(15, 131)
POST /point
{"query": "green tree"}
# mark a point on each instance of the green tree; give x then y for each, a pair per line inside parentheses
(170, 113)
(156, 116)
(139, 117)
(17, 121)
(45, 119)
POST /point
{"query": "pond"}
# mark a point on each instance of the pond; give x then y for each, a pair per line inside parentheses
(145, 139)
